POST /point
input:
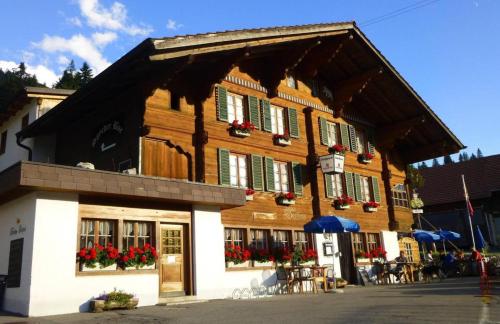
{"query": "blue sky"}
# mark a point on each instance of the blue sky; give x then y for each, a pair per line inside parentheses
(448, 50)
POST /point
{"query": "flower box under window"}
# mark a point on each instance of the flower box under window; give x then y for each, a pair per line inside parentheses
(232, 264)
(282, 139)
(370, 206)
(98, 267)
(343, 202)
(239, 133)
(249, 194)
(285, 201)
(365, 158)
(241, 130)
(263, 263)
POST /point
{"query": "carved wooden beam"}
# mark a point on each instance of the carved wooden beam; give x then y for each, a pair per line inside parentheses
(345, 91)
(389, 134)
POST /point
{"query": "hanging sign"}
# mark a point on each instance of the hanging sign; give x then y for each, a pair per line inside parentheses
(417, 211)
(332, 163)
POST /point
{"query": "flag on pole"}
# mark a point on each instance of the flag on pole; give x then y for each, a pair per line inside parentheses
(467, 200)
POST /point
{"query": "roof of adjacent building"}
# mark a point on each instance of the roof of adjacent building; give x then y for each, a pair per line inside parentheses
(443, 184)
(391, 100)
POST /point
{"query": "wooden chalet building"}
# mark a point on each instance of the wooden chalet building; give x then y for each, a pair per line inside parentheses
(167, 109)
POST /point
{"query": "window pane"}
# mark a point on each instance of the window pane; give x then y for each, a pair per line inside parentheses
(284, 177)
(239, 109)
(242, 168)
(332, 134)
(233, 236)
(259, 239)
(281, 239)
(233, 170)
(280, 121)
(361, 142)
(231, 116)
(277, 183)
(274, 126)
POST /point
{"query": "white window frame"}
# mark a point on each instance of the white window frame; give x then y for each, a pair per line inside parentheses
(259, 239)
(331, 130)
(365, 189)
(303, 239)
(238, 170)
(281, 176)
(281, 238)
(361, 141)
(400, 196)
(234, 236)
(235, 108)
(277, 120)
(337, 185)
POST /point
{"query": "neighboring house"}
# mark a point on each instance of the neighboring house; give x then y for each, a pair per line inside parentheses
(444, 200)
(29, 104)
(166, 111)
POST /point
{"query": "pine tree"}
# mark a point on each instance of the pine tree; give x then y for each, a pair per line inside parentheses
(447, 160)
(435, 163)
(13, 81)
(466, 156)
(460, 157)
(479, 153)
(69, 79)
(472, 157)
(423, 165)
(84, 75)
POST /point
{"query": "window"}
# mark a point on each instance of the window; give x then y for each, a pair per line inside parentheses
(331, 129)
(337, 185)
(235, 108)
(408, 248)
(303, 240)
(25, 121)
(280, 176)
(281, 238)
(137, 234)
(365, 189)
(259, 239)
(3, 142)
(238, 170)
(372, 241)
(358, 243)
(291, 82)
(360, 141)
(175, 101)
(277, 120)
(400, 196)
(234, 236)
(97, 231)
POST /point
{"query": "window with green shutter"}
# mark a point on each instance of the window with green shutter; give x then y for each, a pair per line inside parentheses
(344, 134)
(253, 111)
(371, 143)
(352, 139)
(266, 115)
(357, 187)
(297, 178)
(349, 181)
(269, 169)
(257, 172)
(221, 103)
(328, 186)
(323, 131)
(224, 172)
(293, 123)
(376, 189)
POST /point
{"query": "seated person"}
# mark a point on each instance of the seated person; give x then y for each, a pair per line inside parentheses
(450, 263)
(401, 261)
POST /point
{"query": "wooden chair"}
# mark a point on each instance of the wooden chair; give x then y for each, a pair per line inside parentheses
(285, 278)
(306, 276)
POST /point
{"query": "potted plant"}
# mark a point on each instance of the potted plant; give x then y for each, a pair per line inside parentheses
(282, 255)
(249, 194)
(416, 205)
(365, 158)
(308, 257)
(370, 206)
(337, 149)
(343, 202)
(113, 300)
(139, 258)
(241, 130)
(236, 256)
(286, 198)
(378, 254)
(362, 256)
(282, 139)
(98, 258)
(262, 258)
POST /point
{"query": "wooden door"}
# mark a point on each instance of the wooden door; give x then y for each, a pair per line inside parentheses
(172, 259)
(346, 258)
(161, 160)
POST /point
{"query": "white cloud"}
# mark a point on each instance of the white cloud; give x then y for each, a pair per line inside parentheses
(43, 73)
(103, 39)
(63, 60)
(77, 45)
(27, 56)
(74, 21)
(173, 25)
(112, 18)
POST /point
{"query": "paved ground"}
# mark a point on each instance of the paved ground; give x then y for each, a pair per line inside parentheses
(452, 301)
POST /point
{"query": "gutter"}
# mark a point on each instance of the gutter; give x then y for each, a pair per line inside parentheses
(19, 138)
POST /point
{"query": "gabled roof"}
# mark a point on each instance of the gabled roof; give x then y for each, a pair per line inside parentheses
(443, 184)
(389, 102)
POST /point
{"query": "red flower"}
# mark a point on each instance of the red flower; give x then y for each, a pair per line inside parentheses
(93, 253)
(125, 258)
(338, 148)
(249, 192)
(83, 253)
(147, 246)
(131, 253)
(143, 259)
(87, 257)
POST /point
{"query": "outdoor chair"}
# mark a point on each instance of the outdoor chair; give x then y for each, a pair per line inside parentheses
(284, 279)
(305, 276)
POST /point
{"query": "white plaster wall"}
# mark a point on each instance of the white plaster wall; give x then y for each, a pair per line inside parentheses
(55, 287)
(390, 244)
(327, 259)
(20, 211)
(208, 252)
(264, 281)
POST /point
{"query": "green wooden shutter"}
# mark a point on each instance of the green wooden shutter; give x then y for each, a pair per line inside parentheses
(371, 143)
(221, 103)
(357, 187)
(266, 115)
(224, 175)
(349, 184)
(323, 131)
(257, 172)
(253, 111)
(328, 185)
(297, 178)
(344, 134)
(293, 123)
(352, 138)
(269, 167)
(376, 190)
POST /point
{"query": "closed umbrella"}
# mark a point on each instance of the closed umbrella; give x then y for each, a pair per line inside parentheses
(331, 224)
(480, 242)
(447, 235)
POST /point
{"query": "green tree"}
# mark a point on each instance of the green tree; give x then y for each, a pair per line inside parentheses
(435, 163)
(460, 157)
(84, 75)
(413, 177)
(12, 82)
(447, 160)
(69, 79)
(479, 154)
(472, 157)
(466, 156)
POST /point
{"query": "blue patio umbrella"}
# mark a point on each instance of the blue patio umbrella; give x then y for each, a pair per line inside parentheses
(426, 236)
(480, 242)
(447, 235)
(331, 224)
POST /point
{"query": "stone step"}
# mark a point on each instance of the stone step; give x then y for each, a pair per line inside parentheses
(180, 300)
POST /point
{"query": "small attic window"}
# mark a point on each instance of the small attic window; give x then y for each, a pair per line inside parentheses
(291, 82)
(175, 101)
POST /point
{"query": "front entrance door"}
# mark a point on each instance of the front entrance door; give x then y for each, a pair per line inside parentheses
(172, 259)
(346, 258)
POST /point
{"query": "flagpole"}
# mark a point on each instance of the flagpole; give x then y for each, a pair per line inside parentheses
(468, 213)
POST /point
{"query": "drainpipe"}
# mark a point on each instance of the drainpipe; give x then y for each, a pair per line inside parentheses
(30, 151)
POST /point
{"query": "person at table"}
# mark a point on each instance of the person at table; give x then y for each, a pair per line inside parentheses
(428, 257)
(401, 261)
(450, 263)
